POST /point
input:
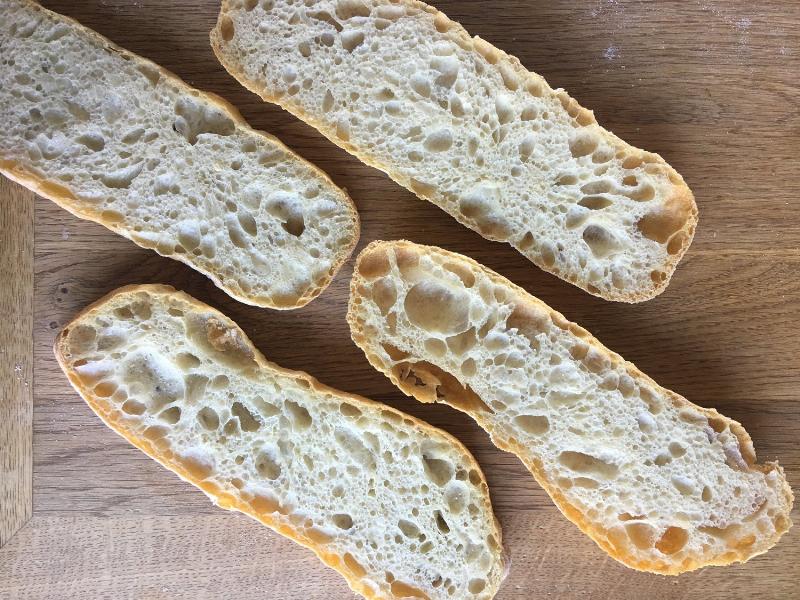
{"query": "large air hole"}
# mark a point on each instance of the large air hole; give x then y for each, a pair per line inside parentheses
(601, 242)
(186, 361)
(384, 294)
(352, 39)
(660, 225)
(583, 144)
(267, 464)
(231, 428)
(265, 409)
(157, 375)
(595, 202)
(438, 308)
(171, 415)
(348, 410)
(195, 118)
(532, 424)
(409, 529)
(588, 464)
(342, 521)
(105, 389)
(246, 419)
(439, 140)
(247, 222)
(226, 28)
(438, 470)
(683, 484)
(641, 534)
(122, 178)
(441, 524)
(195, 388)
(208, 418)
(457, 496)
(299, 416)
(132, 407)
(236, 233)
(220, 382)
(435, 347)
(676, 449)
(463, 342)
(672, 540)
(353, 565)
(94, 141)
(287, 208)
(198, 465)
(403, 590)
(355, 447)
(295, 225)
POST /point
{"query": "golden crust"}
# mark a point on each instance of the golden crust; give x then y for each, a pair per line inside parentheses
(102, 407)
(573, 513)
(54, 191)
(682, 195)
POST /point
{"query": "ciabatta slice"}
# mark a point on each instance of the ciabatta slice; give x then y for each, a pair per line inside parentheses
(398, 507)
(116, 139)
(659, 483)
(467, 127)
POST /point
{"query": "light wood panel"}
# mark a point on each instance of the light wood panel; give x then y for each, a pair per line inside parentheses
(16, 358)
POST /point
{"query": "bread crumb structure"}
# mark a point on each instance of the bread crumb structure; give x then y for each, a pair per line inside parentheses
(116, 139)
(659, 483)
(398, 507)
(467, 127)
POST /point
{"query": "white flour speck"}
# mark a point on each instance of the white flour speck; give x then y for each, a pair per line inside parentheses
(611, 53)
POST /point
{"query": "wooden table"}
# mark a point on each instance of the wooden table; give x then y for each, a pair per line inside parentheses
(712, 85)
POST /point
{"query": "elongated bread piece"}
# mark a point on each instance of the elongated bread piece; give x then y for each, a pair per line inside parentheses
(398, 507)
(466, 126)
(116, 139)
(659, 483)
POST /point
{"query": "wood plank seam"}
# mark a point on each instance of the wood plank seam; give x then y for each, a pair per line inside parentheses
(16, 358)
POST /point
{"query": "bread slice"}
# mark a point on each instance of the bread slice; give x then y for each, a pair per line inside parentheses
(659, 483)
(116, 139)
(466, 126)
(398, 507)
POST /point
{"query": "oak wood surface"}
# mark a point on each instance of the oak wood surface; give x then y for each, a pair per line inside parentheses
(16, 358)
(712, 85)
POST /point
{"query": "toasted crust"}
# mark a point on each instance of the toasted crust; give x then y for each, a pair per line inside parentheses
(678, 204)
(373, 259)
(112, 417)
(57, 192)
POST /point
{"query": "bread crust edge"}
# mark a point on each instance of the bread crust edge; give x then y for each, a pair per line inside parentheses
(682, 194)
(227, 501)
(571, 512)
(59, 194)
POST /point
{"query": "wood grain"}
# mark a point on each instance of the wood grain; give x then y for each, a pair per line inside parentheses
(16, 358)
(229, 556)
(711, 85)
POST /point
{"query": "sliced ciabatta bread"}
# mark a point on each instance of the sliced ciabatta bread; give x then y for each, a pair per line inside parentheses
(659, 483)
(466, 126)
(116, 139)
(398, 507)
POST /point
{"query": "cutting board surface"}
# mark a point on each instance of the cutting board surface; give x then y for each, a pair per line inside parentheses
(711, 85)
